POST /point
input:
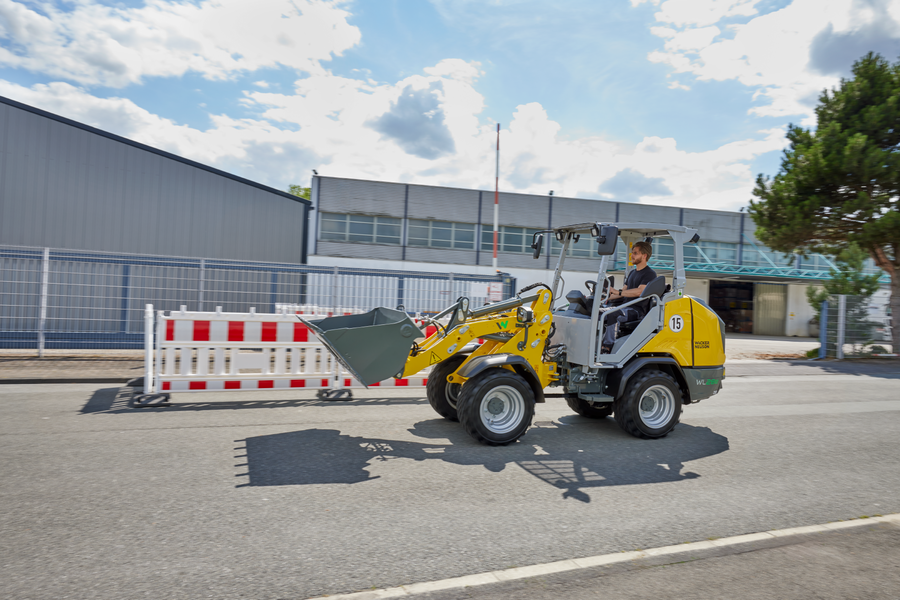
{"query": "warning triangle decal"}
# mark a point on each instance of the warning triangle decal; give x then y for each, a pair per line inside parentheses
(434, 359)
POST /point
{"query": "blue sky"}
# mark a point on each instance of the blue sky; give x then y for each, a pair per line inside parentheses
(675, 102)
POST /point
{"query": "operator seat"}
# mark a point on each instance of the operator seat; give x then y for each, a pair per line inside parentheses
(657, 287)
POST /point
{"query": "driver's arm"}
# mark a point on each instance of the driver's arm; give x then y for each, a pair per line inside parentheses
(627, 293)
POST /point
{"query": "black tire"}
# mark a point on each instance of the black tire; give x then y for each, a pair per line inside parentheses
(443, 395)
(661, 398)
(496, 407)
(586, 409)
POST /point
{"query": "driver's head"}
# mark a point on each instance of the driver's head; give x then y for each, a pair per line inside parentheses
(641, 252)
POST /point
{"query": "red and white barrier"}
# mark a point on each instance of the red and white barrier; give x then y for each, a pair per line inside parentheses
(220, 352)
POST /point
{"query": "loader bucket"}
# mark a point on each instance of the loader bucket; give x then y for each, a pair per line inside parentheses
(373, 346)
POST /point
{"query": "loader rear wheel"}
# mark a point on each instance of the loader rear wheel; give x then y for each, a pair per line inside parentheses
(651, 405)
(586, 409)
(496, 407)
(443, 395)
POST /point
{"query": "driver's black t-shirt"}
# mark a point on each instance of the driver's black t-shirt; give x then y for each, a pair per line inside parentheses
(636, 279)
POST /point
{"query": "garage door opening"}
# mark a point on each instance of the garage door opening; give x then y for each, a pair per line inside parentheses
(733, 302)
(759, 308)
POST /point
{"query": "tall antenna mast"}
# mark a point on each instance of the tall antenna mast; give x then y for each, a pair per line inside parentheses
(496, 197)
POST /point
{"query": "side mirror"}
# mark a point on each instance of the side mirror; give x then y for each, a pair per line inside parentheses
(606, 243)
(537, 243)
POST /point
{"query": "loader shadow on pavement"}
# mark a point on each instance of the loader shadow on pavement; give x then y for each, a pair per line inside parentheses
(572, 455)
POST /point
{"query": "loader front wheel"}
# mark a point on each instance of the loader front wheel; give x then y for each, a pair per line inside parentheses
(496, 407)
(443, 395)
(586, 409)
(651, 405)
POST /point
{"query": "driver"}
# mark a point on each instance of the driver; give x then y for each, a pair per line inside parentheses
(637, 280)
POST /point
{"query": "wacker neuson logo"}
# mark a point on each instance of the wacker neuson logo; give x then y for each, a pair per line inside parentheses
(707, 381)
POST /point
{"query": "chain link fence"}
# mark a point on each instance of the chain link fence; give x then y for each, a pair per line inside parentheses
(64, 299)
(853, 327)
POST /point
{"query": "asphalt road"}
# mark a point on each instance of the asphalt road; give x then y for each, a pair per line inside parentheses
(283, 496)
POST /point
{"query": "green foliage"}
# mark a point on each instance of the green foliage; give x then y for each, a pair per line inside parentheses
(814, 353)
(841, 183)
(297, 190)
(847, 279)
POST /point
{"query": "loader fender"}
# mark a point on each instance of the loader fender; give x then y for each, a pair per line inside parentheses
(618, 379)
(521, 366)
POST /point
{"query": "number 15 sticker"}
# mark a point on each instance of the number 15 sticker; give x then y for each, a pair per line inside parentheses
(676, 323)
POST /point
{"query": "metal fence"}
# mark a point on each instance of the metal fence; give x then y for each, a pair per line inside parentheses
(853, 327)
(65, 299)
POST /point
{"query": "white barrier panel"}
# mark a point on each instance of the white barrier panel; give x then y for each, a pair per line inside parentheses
(219, 352)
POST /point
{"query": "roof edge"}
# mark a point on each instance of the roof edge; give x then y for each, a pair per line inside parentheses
(151, 149)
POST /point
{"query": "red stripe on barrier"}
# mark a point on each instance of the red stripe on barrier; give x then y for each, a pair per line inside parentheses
(167, 385)
(325, 383)
(301, 332)
(201, 331)
(401, 382)
(298, 383)
(170, 331)
(269, 332)
(232, 385)
(266, 383)
(425, 381)
(235, 331)
(197, 385)
(376, 384)
(347, 383)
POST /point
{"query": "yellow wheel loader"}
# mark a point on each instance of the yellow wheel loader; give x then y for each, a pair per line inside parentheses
(673, 355)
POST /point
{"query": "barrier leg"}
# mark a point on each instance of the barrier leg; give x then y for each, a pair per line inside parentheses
(149, 397)
(337, 391)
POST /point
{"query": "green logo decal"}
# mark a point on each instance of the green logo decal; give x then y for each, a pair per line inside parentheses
(707, 381)
(503, 324)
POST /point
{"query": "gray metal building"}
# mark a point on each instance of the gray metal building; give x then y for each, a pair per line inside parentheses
(388, 224)
(64, 184)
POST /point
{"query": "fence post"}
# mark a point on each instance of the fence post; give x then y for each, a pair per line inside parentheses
(334, 292)
(823, 330)
(45, 280)
(201, 285)
(841, 325)
(148, 349)
(126, 283)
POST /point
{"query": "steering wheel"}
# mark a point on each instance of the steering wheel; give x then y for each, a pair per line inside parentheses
(604, 291)
(591, 286)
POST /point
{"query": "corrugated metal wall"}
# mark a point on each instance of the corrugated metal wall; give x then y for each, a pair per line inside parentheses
(68, 186)
(769, 308)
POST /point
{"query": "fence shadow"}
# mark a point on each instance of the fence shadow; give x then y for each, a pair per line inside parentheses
(118, 400)
(573, 455)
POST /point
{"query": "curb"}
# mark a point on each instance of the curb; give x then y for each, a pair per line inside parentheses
(596, 561)
(39, 380)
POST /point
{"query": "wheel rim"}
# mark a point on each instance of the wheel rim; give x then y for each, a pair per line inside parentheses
(657, 406)
(502, 409)
(451, 393)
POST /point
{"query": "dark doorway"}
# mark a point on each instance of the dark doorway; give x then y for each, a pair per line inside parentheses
(733, 301)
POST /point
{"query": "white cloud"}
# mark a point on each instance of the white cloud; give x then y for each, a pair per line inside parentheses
(789, 55)
(326, 124)
(93, 44)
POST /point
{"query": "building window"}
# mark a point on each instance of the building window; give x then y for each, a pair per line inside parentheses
(360, 228)
(516, 240)
(441, 234)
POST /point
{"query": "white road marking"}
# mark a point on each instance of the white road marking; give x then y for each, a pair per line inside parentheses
(594, 561)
